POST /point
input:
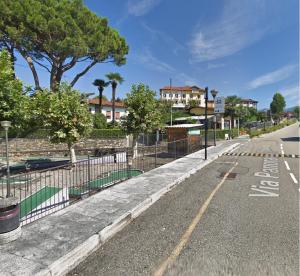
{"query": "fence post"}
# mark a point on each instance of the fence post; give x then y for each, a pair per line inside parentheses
(89, 172)
(143, 150)
(155, 162)
(127, 163)
(174, 148)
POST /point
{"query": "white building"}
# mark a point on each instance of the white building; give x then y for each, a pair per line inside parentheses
(248, 103)
(120, 109)
(181, 96)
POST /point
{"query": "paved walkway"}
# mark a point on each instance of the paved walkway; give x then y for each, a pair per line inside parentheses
(57, 243)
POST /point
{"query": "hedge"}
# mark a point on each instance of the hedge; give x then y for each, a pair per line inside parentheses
(220, 133)
(257, 132)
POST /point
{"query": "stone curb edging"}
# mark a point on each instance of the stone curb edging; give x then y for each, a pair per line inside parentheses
(69, 261)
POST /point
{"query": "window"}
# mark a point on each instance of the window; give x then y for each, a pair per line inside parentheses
(108, 114)
(117, 115)
(183, 96)
(176, 95)
(198, 96)
(165, 95)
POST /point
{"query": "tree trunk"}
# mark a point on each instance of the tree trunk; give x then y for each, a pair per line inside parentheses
(12, 59)
(100, 99)
(134, 147)
(55, 78)
(72, 154)
(114, 86)
(32, 68)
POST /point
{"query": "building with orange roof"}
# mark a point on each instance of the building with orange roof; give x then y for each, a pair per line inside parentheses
(120, 110)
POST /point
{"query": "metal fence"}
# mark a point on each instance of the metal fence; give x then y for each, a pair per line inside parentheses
(42, 192)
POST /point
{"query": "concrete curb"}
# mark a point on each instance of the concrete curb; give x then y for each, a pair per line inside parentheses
(66, 263)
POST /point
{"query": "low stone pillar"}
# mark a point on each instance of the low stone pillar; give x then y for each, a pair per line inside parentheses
(10, 228)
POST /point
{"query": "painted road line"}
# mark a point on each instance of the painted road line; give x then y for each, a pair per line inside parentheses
(186, 236)
(294, 178)
(282, 152)
(281, 146)
(287, 165)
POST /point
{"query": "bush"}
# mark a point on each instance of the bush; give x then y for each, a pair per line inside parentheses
(99, 121)
(220, 133)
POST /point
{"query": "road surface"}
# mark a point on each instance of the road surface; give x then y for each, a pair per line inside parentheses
(237, 216)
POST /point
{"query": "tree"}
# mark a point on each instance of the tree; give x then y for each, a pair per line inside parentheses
(64, 114)
(13, 100)
(143, 112)
(193, 103)
(114, 79)
(231, 104)
(277, 105)
(101, 84)
(296, 112)
(57, 35)
(99, 121)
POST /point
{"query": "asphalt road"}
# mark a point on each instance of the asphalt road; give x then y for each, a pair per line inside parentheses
(216, 223)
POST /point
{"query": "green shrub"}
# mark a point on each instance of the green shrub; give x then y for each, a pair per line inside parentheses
(99, 121)
(220, 133)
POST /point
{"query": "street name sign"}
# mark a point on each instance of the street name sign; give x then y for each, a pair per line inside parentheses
(219, 105)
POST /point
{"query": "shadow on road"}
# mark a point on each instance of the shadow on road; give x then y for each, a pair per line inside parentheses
(291, 139)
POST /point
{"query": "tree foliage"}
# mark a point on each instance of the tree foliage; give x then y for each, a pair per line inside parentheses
(99, 121)
(57, 35)
(114, 79)
(143, 113)
(278, 104)
(13, 101)
(101, 84)
(63, 113)
(296, 112)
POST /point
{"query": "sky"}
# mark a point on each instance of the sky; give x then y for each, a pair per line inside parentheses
(248, 48)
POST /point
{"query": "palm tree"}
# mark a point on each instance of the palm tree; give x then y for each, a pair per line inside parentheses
(114, 79)
(231, 103)
(101, 84)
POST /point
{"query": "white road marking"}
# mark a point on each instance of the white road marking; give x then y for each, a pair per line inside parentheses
(294, 178)
(282, 152)
(287, 165)
(281, 146)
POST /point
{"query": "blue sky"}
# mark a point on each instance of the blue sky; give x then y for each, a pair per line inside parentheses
(244, 47)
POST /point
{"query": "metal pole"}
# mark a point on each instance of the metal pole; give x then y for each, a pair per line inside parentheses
(89, 172)
(7, 166)
(206, 123)
(171, 94)
(215, 129)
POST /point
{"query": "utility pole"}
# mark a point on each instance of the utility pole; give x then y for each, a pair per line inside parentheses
(171, 101)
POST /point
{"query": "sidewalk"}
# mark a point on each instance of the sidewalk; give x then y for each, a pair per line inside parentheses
(57, 243)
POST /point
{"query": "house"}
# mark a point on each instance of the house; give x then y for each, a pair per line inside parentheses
(120, 109)
(181, 95)
(248, 103)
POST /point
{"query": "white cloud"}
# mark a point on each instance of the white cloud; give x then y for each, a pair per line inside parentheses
(215, 65)
(141, 7)
(273, 77)
(291, 94)
(146, 58)
(238, 27)
(161, 36)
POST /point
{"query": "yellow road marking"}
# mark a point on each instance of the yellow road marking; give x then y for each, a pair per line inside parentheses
(186, 236)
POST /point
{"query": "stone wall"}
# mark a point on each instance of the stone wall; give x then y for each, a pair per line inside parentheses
(35, 147)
